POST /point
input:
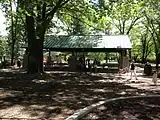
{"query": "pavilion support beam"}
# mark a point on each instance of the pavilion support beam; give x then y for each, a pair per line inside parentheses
(49, 53)
(84, 58)
(130, 56)
(120, 59)
(125, 53)
(73, 52)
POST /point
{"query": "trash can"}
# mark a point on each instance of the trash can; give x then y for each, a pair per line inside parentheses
(148, 69)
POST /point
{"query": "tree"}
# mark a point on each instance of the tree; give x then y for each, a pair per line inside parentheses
(39, 15)
(152, 15)
(3, 46)
(15, 26)
(126, 14)
(146, 45)
(37, 23)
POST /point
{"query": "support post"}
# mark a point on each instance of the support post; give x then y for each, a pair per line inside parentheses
(49, 53)
(121, 59)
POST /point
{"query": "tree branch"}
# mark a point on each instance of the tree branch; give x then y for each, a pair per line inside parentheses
(82, 21)
(48, 17)
(123, 26)
(44, 10)
(58, 5)
(120, 26)
(117, 26)
(132, 24)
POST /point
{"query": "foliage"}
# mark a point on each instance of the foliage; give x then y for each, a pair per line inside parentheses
(80, 15)
(15, 27)
(142, 43)
(39, 15)
(147, 45)
(152, 15)
(126, 14)
(3, 46)
(98, 56)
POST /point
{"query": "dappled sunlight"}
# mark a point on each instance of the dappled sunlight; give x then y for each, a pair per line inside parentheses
(102, 81)
(4, 94)
(146, 109)
(101, 90)
(39, 81)
(58, 94)
(16, 111)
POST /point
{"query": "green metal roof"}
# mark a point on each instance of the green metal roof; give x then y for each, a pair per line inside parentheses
(64, 42)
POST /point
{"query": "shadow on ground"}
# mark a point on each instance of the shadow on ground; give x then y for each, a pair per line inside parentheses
(146, 109)
(55, 95)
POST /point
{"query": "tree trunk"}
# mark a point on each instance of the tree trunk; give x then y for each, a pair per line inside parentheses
(32, 45)
(12, 54)
(13, 36)
(35, 45)
(40, 55)
(40, 32)
(106, 57)
(144, 60)
(36, 33)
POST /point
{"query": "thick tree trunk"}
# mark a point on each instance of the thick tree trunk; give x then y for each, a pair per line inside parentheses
(32, 46)
(36, 34)
(40, 55)
(35, 45)
(40, 32)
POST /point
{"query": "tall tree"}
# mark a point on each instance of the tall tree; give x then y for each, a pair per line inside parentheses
(126, 14)
(15, 26)
(152, 15)
(3, 46)
(146, 45)
(39, 15)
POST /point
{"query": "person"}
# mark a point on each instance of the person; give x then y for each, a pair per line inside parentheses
(154, 78)
(95, 63)
(133, 71)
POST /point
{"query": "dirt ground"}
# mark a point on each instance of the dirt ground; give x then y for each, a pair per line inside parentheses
(148, 109)
(57, 95)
